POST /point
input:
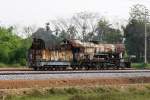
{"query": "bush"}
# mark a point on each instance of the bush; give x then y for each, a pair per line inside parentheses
(79, 97)
(56, 91)
(35, 93)
(139, 65)
(23, 62)
(2, 65)
(72, 90)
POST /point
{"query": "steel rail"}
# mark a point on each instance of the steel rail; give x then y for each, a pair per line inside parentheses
(71, 72)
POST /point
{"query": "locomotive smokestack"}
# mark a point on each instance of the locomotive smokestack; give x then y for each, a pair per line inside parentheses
(47, 27)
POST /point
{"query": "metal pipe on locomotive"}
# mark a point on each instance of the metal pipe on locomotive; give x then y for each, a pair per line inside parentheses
(74, 54)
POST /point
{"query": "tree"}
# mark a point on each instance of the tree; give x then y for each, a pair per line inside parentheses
(102, 29)
(28, 30)
(113, 36)
(64, 35)
(86, 23)
(13, 49)
(78, 26)
(139, 12)
(72, 32)
(106, 34)
(8, 42)
(134, 32)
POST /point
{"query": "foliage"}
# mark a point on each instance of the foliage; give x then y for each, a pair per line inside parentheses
(113, 37)
(87, 26)
(140, 65)
(131, 92)
(13, 48)
(135, 33)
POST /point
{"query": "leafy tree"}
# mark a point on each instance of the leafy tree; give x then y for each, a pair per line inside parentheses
(134, 32)
(13, 48)
(113, 36)
(64, 35)
(8, 42)
(72, 32)
(106, 34)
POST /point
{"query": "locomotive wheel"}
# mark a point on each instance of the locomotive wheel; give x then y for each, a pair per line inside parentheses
(74, 68)
(53, 68)
(122, 66)
(45, 68)
(117, 67)
(63, 68)
(87, 68)
(97, 67)
(101, 67)
(79, 68)
(35, 68)
(57, 68)
(107, 67)
(40, 68)
(50, 68)
(113, 67)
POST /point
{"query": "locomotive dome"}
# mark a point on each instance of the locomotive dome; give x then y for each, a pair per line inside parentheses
(47, 37)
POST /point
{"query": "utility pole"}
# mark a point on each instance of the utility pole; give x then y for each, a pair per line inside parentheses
(145, 29)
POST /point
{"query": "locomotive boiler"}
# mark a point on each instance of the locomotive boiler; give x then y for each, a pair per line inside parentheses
(74, 54)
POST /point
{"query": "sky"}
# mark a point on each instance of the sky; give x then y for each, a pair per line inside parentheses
(38, 12)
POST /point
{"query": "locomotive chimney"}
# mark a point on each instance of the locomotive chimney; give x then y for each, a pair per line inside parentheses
(47, 26)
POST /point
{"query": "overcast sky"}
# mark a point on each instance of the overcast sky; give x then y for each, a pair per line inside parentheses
(38, 12)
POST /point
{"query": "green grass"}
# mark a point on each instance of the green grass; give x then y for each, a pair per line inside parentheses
(2, 65)
(140, 65)
(49, 97)
(98, 93)
(108, 96)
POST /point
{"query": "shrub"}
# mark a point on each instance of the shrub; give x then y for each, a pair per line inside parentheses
(72, 90)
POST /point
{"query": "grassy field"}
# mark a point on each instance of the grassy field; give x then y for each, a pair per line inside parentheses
(140, 65)
(2, 65)
(97, 93)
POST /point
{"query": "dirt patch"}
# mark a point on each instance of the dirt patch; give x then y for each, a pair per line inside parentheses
(15, 84)
(15, 69)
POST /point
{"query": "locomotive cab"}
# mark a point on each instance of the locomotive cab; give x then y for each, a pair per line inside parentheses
(35, 52)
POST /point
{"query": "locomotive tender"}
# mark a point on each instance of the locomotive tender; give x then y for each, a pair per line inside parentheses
(74, 54)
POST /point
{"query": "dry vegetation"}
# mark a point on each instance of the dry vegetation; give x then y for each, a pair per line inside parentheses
(76, 89)
(15, 84)
(105, 92)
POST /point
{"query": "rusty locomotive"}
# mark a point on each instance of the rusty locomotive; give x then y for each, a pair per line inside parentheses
(74, 54)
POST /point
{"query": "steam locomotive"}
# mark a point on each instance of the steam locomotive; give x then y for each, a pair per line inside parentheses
(76, 55)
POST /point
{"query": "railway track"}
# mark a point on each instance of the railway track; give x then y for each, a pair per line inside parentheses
(31, 69)
(22, 72)
(44, 75)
